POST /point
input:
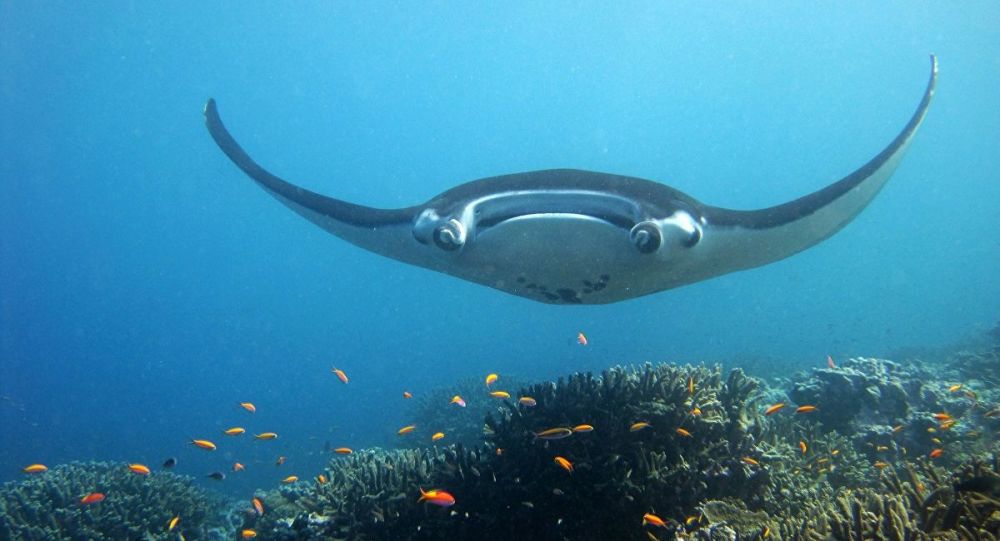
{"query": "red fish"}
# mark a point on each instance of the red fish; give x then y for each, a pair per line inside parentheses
(340, 374)
(93, 497)
(774, 409)
(436, 497)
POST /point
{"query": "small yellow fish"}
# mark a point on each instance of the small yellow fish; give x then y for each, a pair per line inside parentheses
(248, 534)
(457, 400)
(527, 401)
(140, 469)
(750, 461)
(691, 385)
(491, 379)
(35, 468)
(805, 409)
(653, 520)
(881, 448)
(204, 444)
(696, 411)
(258, 505)
(500, 394)
(774, 408)
(406, 429)
(289, 480)
(684, 432)
(437, 436)
(173, 523)
(266, 436)
(690, 520)
(234, 431)
(583, 428)
(321, 479)
(898, 428)
(641, 425)
(955, 388)
(563, 463)
(248, 406)
(880, 465)
(803, 446)
(340, 374)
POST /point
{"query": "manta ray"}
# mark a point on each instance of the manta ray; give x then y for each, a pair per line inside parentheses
(567, 236)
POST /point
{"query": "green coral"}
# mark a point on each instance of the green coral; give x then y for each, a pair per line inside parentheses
(47, 506)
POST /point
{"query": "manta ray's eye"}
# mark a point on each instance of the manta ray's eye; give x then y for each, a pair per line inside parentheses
(647, 237)
(450, 236)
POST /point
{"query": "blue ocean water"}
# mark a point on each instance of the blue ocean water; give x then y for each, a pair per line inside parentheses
(147, 286)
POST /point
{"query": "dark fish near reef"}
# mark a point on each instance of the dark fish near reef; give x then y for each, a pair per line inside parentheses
(566, 236)
(217, 475)
(170, 463)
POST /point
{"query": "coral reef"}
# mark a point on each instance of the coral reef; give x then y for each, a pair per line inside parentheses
(47, 506)
(434, 412)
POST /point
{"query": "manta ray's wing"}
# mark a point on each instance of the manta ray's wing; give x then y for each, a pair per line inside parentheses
(757, 237)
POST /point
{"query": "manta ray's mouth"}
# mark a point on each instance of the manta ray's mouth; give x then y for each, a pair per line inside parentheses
(569, 204)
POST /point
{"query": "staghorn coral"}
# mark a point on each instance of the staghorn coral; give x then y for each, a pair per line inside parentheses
(46, 506)
(433, 412)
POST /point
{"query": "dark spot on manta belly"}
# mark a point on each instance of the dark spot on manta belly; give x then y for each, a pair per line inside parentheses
(569, 295)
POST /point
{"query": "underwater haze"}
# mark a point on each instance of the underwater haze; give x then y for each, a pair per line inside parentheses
(147, 286)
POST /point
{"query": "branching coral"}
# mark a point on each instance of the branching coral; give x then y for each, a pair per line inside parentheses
(47, 506)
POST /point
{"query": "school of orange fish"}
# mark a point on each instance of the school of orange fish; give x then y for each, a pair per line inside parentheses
(442, 498)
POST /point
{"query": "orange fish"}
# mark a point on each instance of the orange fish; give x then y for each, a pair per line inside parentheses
(234, 431)
(407, 395)
(880, 465)
(437, 436)
(500, 394)
(436, 497)
(945, 425)
(750, 461)
(289, 480)
(554, 434)
(173, 523)
(803, 446)
(936, 453)
(491, 379)
(696, 411)
(266, 436)
(563, 463)
(280, 461)
(458, 401)
(343, 450)
(248, 406)
(829, 362)
(258, 505)
(641, 425)
(321, 479)
(204, 444)
(898, 428)
(35, 468)
(406, 429)
(583, 428)
(774, 409)
(954, 388)
(942, 416)
(238, 467)
(248, 534)
(805, 409)
(653, 520)
(527, 401)
(582, 339)
(684, 432)
(93, 497)
(340, 374)
(691, 385)
(140, 469)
